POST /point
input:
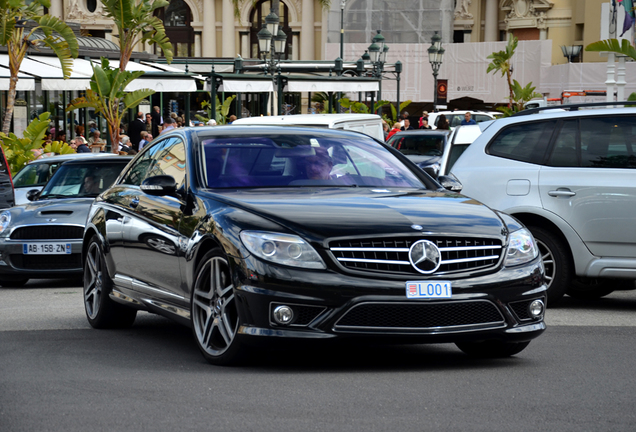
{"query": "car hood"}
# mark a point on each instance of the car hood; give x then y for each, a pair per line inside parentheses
(330, 213)
(56, 211)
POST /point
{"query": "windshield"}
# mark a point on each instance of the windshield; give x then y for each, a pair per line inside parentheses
(302, 160)
(35, 174)
(419, 145)
(82, 180)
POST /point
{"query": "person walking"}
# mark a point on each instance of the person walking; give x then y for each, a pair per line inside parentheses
(134, 130)
(468, 120)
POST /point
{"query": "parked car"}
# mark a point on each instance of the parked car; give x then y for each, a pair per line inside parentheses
(368, 124)
(36, 173)
(43, 239)
(422, 146)
(249, 236)
(569, 177)
(455, 117)
(458, 141)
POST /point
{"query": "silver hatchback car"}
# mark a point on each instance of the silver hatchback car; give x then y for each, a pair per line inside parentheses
(570, 177)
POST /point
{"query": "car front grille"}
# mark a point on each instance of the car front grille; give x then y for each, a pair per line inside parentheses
(454, 315)
(47, 262)
(392, 255)
(47, 232)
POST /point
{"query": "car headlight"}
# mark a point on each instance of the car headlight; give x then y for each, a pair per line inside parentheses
(521, 248)
(283, 249)
(5, 219)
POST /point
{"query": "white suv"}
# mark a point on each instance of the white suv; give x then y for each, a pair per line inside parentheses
(455, 117)
(570, 177)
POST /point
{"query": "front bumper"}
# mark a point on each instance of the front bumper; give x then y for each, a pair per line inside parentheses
(330, 305)
(14, 262)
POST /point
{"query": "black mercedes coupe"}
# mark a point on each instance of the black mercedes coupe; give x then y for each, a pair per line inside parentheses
(256, 234)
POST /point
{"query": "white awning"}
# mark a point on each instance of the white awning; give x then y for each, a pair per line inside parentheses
(25, 82)
(246, 86)
(167, 84)
(331, 86)
(52, 77)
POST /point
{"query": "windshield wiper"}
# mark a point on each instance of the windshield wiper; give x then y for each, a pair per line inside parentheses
(52, 196)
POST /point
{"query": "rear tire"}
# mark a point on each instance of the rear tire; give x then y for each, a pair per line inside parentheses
(101, 311)
(557, 263)
(492, 349)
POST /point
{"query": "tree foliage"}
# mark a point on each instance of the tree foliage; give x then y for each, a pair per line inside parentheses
(14, 34)
(19, 151)
(521, 95)
(108, 97)
(613, 45)
(136, 23)
(222, 110)
(501, 62)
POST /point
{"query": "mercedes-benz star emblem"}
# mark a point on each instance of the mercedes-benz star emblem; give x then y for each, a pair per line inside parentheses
(425, 256)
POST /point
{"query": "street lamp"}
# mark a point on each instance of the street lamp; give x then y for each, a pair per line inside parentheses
(342, 7)
(571, 51)
(272, 40)
(376, 53)
(435, 58)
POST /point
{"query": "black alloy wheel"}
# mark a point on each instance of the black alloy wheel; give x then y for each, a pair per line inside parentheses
(102, 312)
(215, 319)
(492, 349)
(557, 263)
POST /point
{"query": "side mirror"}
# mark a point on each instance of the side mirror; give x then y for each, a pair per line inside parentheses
(33, 194)
(450, 183)
(160, 185)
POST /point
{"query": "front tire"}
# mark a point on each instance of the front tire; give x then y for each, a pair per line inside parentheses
(215, 319)
(101, 311)
(492, 349)
(556, 260)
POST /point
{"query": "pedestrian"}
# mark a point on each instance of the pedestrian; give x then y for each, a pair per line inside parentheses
(231, 119)
(135, 128)
(468, 120)
(405, 115)
(407, 125)
(95, 143)
(61, 137)
(396, 129)
(385, 129)
(421, 122)
(157, 121)
(168, 124)
(149, 123)
(442, 123)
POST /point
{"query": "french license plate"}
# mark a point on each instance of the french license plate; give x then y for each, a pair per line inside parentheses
(428, 289)
(46, 248)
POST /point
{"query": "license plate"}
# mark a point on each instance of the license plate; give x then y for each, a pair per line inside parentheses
(46, 248)
(428, 289)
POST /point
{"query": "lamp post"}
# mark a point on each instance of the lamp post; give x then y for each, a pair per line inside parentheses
(377, 52)
(571, 51)
(435, 58)
(342, 7)
(271, 42)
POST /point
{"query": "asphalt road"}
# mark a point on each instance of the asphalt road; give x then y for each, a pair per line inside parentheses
(58, 374)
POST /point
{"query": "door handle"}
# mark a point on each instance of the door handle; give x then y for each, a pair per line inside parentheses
(561, 193)
(134, 202)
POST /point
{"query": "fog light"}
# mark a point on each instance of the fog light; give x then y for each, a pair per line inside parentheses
(283, 315)
(536, 308)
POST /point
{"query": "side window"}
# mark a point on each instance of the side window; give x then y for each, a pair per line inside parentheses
(481, 118)
(565, 153)
(170, 160)
(524, 142)
(608, 142)
(145, 166)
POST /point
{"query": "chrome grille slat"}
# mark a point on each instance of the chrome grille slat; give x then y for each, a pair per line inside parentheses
(392, 255)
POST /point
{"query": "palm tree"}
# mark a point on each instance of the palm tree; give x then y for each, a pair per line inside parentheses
(108, 98)
(613, 45)
(501, 63)
(48, 30)
(136, 23)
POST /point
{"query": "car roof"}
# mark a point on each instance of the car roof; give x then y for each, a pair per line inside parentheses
(68, 157)
(466, 134)
(558, 113)
(111, 158)
(433, 132)
(306, 119)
